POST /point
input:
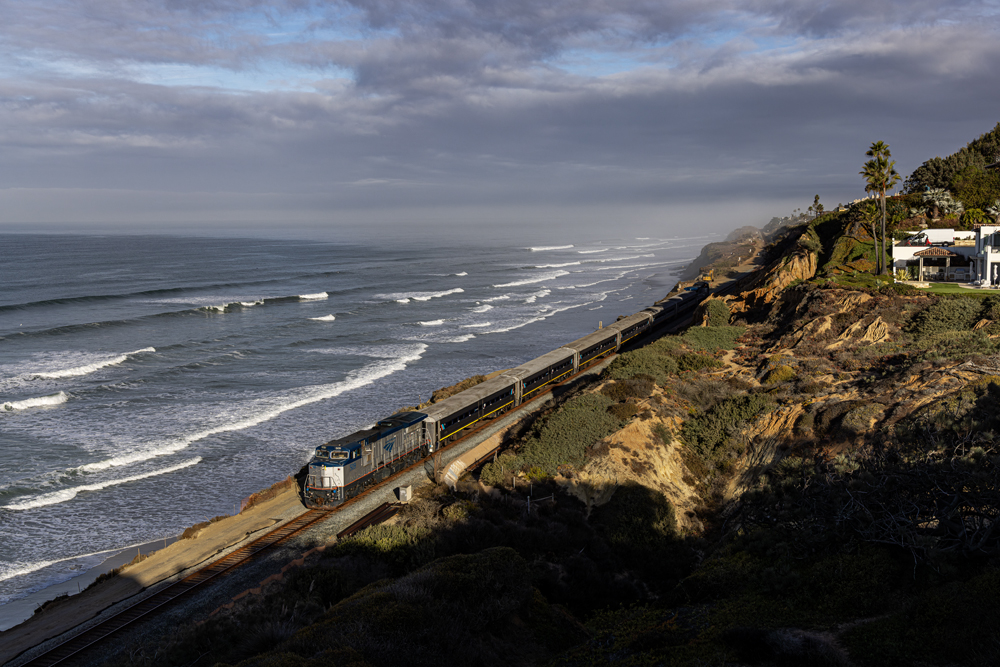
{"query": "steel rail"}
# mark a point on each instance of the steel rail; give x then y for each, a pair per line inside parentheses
(73, 647)
(65, 652)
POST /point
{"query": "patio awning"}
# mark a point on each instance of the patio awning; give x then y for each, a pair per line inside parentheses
(935, 251)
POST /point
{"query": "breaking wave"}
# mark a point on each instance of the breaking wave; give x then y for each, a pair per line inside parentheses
(406, 297)
(537, 279)
(355, 380)
(550, 247)
(325, 318)
(432, 323)
(63, 495)
(557, 266)
(39, 402)
(90, 368)
(483, 308)
(314, 297)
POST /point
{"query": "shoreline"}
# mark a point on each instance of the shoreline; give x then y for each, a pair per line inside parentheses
(18, 611)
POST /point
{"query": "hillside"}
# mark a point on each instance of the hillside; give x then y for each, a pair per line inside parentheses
(809, 477)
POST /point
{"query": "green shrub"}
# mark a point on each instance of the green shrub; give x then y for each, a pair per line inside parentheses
(713, 338)
(563, 437)
(718, 313)
(779, 375)
(639, 386)
(707, 431)
(624, 411)
(652, 361)
(497, 472)
(950, 313)
(692, 361)
(958, 344)
(663, 434)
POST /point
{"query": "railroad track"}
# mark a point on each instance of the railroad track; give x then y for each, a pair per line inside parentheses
(73, 649)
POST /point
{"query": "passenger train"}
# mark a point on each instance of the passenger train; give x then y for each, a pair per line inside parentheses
(342, 468)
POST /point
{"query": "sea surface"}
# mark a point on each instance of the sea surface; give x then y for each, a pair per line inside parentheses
(150, 382)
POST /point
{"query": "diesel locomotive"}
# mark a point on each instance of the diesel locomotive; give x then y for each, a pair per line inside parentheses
(342, 468)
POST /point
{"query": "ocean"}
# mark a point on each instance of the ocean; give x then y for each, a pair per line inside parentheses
(151, 382)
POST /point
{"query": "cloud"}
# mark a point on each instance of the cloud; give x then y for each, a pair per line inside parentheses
(390, 104)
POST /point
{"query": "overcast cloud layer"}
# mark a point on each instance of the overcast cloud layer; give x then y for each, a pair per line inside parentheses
(236, 110)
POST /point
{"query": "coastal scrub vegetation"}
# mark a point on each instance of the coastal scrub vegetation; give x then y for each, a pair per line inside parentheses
(810, 479)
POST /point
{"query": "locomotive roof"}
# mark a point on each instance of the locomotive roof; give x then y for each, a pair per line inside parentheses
(468, 397)
(384, 427)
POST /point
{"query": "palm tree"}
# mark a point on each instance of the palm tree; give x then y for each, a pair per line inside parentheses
(880, 175)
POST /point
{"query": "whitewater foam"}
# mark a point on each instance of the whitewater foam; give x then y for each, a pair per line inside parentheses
(463, 273)
(38, 402)
(477, 326)
(557, 266)
(356, 379)
(538, 295)
(550, 247)
(325, 318)
(591, 252)
(432, 323)
(90, 368)
(406, 297)
(483, 308)
(537, 279)
(314, 297)
(63, 495)
(459, 339)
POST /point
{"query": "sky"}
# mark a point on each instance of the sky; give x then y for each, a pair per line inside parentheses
(679, 114)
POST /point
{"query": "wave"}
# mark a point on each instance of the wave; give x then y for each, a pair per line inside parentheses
(463, 273)
(458, 339)
(498, 298)
(432, 323)
(538, 295)
(314, 297)
(406, 297)
(90, 368)
(22, 568)
(591, 252)
(390, 364)
(61, 496)
(325, 318)
(477, 326)
(557, 266)
(606, 280)
(546, 313)
(537, 279)
(483, 308)
(550, 247)
(39, 402)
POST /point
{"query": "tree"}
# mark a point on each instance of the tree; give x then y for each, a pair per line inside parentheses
(880, 175)
(816, 208)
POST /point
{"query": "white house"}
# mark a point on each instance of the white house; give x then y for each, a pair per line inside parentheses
(986, 260)
(936, 254)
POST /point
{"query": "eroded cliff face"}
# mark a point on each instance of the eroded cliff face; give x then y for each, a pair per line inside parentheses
(841, 368)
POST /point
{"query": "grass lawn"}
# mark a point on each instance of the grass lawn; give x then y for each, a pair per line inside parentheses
(952, 288)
